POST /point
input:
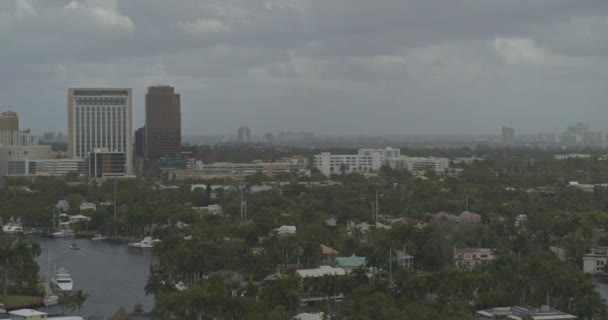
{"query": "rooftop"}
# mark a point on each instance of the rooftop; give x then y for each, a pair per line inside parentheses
(519, 313)
(320, 272)
(351, 262)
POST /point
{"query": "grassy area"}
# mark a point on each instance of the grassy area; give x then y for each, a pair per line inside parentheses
(18, 300)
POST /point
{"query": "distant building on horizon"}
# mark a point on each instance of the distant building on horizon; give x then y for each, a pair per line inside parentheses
(163, 128)
(508, 136)
(9, 128)
(244, 134)
(100, 118)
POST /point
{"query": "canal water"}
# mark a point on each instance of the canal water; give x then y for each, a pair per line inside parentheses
(113, 275)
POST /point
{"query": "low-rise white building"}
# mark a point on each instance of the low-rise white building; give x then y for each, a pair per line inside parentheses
(329, 164)
(595, 261)
(285, 230)
(88, 206)
(385, 152)
(519, 313)
(212, 209)
(418, 164)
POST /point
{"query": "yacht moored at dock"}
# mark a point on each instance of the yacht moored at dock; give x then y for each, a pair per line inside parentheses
(62, 282)
(146, 243)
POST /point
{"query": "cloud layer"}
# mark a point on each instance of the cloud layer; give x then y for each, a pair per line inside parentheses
(339, 66)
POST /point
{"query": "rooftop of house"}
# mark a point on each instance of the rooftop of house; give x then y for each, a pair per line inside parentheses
(351, 262)
(320, 272)
(519, 313)
(400, 254)
(474, 251)
(328, 251)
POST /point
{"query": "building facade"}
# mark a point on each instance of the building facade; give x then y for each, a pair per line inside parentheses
(418, 164)
(595, 261)
(163, 129)
(386, 152)
(26, 138)
(140, 142)
(45, 167)
(244, 134)
(9, 128)
(238, 171)
(329, 164)
(13, 158)
(508, 136)
(100, 118)
(469, 258)
(103, 163)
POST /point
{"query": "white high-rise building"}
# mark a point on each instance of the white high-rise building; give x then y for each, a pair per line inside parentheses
(100, 118)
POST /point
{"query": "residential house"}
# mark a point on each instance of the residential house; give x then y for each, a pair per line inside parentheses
(469, 258)
(404, 260)
(595, 261)
(469, 217)
(350, 263)
(560, 253)
(329, 252)
(520, 313)
(79, 218)
(310, 316)
(445, 217)
(285, 230)
(212, 209)
(88, 206)
(320, 272)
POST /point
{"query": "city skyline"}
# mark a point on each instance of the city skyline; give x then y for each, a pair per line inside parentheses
(394, 67)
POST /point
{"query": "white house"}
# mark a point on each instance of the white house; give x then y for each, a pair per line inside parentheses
(79, 218)
(88, 206)
(285, 230)
(595, 261)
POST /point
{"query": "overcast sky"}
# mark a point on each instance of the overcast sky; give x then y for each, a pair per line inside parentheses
(329, 66)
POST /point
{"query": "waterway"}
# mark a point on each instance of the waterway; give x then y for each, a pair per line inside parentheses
(113, 275)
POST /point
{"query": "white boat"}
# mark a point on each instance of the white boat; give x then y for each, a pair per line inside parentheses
(35, 314)
(99, 237)
(51, 300)
(180, 286)
(65, 233)
(12, 228)
(146, 243)
(74, 246)
(62, 281)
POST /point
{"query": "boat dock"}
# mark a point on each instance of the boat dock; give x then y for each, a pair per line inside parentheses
(50, 298)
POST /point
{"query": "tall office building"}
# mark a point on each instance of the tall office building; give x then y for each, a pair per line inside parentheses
(100, 118)
(140, 140)
(163, 122)
(244, 134)
(9, 128)
(508, 136)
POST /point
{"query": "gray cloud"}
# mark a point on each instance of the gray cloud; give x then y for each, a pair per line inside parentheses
(339, 66)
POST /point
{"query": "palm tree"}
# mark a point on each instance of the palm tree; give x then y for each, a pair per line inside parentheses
(14, 257)
(79, 298)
